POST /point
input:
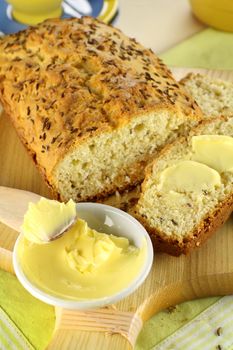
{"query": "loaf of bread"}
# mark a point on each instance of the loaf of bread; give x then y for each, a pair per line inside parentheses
(91, 105)
(214, 96)
(177, 216)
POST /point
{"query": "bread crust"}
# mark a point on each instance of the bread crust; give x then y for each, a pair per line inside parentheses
(65, 81)
(207, 227)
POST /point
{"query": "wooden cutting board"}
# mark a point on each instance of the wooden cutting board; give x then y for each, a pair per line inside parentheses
(207, 271)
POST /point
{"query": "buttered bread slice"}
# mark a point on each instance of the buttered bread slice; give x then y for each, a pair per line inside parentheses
(188, 190)
(91, 105)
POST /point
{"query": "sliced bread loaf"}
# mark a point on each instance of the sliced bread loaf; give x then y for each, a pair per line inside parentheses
(214, 96)
(91, 105)
(177, 216)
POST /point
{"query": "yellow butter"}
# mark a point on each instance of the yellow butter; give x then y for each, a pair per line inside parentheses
(45, 218)
(189, 176)
(82, 264)
(90, 249)
(216, 151)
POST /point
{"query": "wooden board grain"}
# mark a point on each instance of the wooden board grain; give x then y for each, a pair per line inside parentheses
(207, 271)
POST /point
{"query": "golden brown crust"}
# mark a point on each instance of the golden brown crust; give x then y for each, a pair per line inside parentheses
(206, 228)
(64, 81)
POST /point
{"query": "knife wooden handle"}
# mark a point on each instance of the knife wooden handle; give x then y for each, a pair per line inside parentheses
(14, 204)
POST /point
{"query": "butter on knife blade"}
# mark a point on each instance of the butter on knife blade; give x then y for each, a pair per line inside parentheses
(47, 218)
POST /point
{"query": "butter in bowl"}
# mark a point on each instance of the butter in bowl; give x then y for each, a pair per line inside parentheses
(103, 257)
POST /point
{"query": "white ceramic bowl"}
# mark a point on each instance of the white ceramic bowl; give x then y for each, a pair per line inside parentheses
(106, 219)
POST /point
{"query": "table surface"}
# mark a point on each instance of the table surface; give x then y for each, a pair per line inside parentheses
(157, 24)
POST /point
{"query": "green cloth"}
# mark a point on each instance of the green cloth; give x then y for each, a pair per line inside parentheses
(168, 321)
(10, 335)
(34, 318)
(210, 49)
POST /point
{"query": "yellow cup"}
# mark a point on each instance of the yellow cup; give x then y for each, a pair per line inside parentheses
(216, 13)
(35, 11)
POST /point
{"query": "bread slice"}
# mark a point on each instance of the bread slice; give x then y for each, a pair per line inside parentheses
(91, 105)
(177, 226)
(214, 96)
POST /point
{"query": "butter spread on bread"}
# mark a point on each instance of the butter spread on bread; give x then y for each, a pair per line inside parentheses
(189, 176)
(214, 150)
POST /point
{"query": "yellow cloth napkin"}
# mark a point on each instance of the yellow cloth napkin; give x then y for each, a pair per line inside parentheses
(210, 49)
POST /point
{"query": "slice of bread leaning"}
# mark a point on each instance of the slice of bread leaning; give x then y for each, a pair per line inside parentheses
(179, 220)
(214, 96)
